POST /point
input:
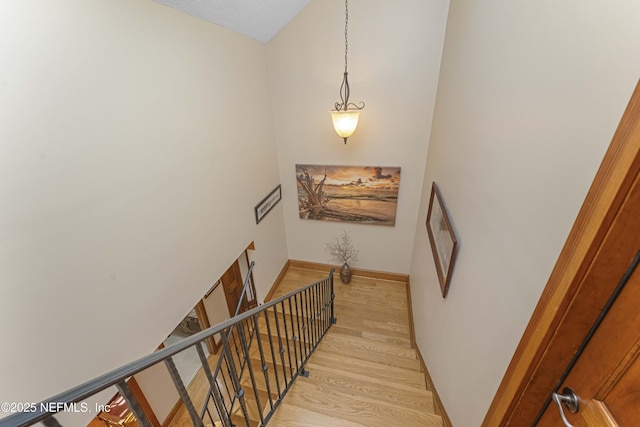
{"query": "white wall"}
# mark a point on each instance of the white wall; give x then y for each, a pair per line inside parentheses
(134, 143)
(157, 386)
(394, 58)
(271, 253)
(529, 97)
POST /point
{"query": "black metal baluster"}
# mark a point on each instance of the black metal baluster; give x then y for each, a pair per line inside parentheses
(250, 330)
(299, 368)
(133, 404)
(306, 331)
(255, 325)
(243, 341)
(234, 334)
(265, 366)
(333, 297)
(51, 422)
(251, 325)
(203, 411)
(273, 355)
(239, 327)
(294, 338)
(325, 303)
(319, 311)
(281, 349)
(182, 391)
(213, 414)
(286, 332)
(208, 413)
(323, 307)
(244, 328)
(224, 404)
(235, 379)
(318, 314)
(220, 373)
(213, 390)
(223, 355)
(312, 319)
(224, 378)
(305, 323)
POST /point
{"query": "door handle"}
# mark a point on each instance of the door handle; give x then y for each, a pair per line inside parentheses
(570, 400)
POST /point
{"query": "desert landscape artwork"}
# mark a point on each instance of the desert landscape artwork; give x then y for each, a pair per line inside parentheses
(359, 194)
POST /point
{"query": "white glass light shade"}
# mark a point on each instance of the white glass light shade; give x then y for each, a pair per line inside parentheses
(345, 122)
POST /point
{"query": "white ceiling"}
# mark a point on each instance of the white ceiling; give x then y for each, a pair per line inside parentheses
(258, 19)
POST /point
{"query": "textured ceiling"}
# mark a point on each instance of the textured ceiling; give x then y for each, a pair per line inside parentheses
(258, 19)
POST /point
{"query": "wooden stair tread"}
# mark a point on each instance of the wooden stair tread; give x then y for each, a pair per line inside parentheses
(399, 339)
(373, 370)
(362, 353)
(389, 303)
(363, 385)
(360, 343)
(409, 398)
(357, 409)
(395, 325)
(292, 415)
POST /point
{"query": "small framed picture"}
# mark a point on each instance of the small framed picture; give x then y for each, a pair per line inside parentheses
(442, 238)
(268, 203)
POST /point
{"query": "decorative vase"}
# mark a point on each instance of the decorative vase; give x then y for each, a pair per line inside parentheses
(345, 273)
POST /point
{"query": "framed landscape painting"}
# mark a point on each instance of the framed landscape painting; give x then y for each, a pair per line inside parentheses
(358, 194)
(443, 241)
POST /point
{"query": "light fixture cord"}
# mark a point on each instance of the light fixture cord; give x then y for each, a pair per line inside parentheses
(346, 28)
(345, 90)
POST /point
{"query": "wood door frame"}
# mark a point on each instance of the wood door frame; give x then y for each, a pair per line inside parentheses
(203, 318)
(254, 301)
(559, 321)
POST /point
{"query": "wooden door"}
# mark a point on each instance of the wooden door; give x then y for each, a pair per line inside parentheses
(606, 376)
(232, 285)
(599, 251)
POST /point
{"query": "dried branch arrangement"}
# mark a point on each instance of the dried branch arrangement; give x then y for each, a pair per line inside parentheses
(341, 249)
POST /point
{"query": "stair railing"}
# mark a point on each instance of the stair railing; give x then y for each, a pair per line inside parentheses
(264, 350)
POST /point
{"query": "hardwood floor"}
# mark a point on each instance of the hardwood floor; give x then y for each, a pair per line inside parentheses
(363, 373)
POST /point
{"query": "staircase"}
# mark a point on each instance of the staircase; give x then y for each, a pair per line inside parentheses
(359, 372)
(263, 351)
(364, 372)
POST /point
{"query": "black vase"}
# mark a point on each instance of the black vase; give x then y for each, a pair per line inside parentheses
(345, 273)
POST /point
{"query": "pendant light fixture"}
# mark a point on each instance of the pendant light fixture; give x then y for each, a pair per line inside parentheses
(346, 114)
